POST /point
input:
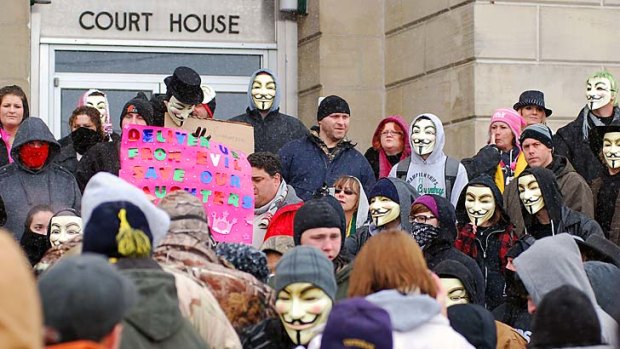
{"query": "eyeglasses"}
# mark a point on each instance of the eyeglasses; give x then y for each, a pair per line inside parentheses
(346, 191)
(391, 133)
(420, 219)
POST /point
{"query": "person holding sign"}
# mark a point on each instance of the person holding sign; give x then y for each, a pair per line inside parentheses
(104, 157)
(183, 93)
(272, 129)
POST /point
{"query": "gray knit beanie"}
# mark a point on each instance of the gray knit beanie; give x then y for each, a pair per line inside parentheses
(306, 264)
(539, 132)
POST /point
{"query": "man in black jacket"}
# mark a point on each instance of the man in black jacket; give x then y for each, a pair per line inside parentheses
(571, 140)
(272, 129)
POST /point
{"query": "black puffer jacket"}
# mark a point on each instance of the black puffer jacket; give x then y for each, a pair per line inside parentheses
(569, 142)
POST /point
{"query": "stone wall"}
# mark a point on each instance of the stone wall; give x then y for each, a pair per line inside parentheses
(15, 43)
(458, 59)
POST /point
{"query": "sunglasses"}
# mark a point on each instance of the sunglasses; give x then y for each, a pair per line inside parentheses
(346, 191)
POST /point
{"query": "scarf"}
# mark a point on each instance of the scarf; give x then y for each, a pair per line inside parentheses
(423, 233)
(385, 165)
(5, 137)
(589, 117)
(270, 209)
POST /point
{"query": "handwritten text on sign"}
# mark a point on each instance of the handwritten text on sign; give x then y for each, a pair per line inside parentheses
(161, 160)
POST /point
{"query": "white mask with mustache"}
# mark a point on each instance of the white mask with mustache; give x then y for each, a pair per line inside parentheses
(611, 149)
(479, 204)
(530, 193)
(423, 136)
(598, 92)
(303, 307)
(383, 210)
(263, 91)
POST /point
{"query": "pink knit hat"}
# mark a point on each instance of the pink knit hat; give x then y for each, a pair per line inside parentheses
(511, 118)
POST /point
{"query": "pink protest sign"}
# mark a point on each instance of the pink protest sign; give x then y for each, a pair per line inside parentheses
(160, 160)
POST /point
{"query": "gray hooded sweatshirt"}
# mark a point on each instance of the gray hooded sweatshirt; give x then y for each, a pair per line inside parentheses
(428, 176)
(553, 262)
(22, 188)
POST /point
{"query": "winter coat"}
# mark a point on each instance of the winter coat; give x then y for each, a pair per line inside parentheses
(428, 176)
(4, 154)
(199, 306)
(487, 161)
(575, 191)
(155, 321)
(245, 300)
(67, 158)
(274, 130)
(487, 245)
(101, 157)
(260, 233)
(268, 334)
(605, 281)
(556, 261)
(563, 219)
(614, 233)
(406, 195)
(442, 248)
(21, 318)
(22, 188)
(307, 165)
(508, 337)
(417, 321)
(380, 162)
(571, 142)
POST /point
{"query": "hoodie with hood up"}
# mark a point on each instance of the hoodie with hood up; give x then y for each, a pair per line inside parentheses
(487, 245)
(442, 248)
(417, 321)
(553, 262)
(275, 129)
(406, 196)
(22, 188)
(378, 159)
(563, 219)
(428, 176)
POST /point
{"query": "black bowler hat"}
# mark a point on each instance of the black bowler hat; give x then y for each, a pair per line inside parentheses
(532, 97)
(184, 85)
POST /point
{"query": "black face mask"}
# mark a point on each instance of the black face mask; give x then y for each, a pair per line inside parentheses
(83, 138)
(424, 234)
(514, 286)
(35, 245)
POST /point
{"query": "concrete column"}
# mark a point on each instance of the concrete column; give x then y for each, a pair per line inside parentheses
(15, 43)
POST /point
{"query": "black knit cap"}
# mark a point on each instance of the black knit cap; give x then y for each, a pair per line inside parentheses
(475, 323)
(332, 104)
(323, 212)
(557, 317)
(539, 132)
(385, 187)
(140, 105)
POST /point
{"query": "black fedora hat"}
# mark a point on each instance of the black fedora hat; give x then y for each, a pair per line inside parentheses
(532, 97)
(184, 85)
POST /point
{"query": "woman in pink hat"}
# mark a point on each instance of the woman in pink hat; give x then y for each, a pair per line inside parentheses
(502, 157)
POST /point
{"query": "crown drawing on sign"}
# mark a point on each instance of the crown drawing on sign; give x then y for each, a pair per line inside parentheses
(221, 225)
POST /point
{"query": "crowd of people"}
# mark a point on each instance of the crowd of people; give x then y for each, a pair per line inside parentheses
(403, 246)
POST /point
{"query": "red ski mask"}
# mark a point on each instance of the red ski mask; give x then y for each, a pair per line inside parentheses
(34, 154)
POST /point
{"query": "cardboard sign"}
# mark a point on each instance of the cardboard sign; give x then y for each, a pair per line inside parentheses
(160, 160)
(237, 135)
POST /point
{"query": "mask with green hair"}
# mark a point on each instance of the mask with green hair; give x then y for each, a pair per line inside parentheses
(601, 89)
